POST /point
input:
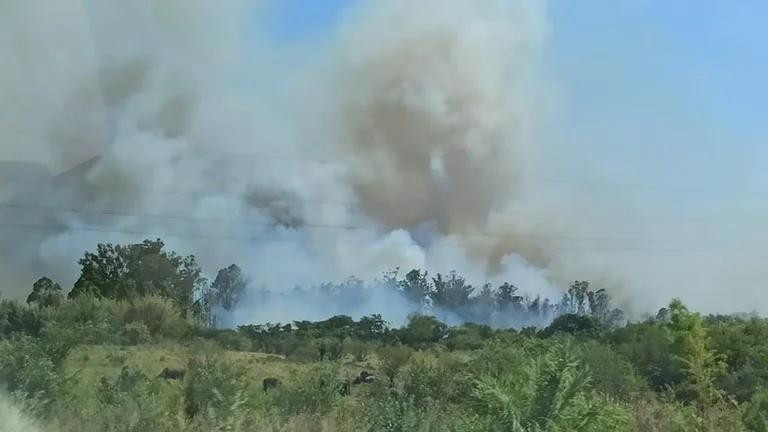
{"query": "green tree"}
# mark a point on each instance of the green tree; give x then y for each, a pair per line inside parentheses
(228, 287)
(649, 346)
(691, 344)
(138, 270)
(507, 298)
(422, 329)
(415, 286)
(756, 412)
(452, 292)
(45, 292)
(573, 324)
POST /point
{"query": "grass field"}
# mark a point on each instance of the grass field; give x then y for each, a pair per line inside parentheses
(91, 362)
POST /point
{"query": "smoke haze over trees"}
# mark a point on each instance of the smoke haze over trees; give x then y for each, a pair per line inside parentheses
(128, 272)
(356, 151)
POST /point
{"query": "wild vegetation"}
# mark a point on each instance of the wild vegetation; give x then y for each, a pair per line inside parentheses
(135, 346)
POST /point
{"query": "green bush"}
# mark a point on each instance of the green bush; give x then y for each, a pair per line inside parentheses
(430, 380)
(85, 319)
(161, 316)
(234, 341)
(357, 349)
(394, 413)
(756, 412)
(551, 393)
(392, 359)
(113, 392)
(213, 385)
(328, 348)
(304, 353)
(611, 373)
(116, 359)
(19, 319)
(27, 371)
(314, 391)
(135, 333)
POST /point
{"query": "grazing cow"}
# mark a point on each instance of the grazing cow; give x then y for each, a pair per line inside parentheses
(270, 383)
(345, 388)
(174, 374)
(365, 377)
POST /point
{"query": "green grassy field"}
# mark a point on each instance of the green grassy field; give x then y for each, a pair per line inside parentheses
(92, 362)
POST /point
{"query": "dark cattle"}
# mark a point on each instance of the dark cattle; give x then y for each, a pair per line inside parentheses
(174, 374)
(270, 383)
(345, 389)
(364, 377)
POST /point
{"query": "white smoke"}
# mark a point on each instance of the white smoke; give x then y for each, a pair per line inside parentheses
(12, 419)
(400, 141)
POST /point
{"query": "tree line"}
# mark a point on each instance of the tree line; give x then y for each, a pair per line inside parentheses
(122, 272)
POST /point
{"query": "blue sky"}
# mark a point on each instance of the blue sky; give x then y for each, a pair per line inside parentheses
(681, 83)
(289, 19)
(662, 92)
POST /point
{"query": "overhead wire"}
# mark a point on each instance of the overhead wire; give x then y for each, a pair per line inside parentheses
(205, 194)
(453, 243)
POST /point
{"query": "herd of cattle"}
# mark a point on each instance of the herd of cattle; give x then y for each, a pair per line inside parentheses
(344, 387)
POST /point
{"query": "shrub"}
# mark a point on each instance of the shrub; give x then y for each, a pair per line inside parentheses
(306, 352)
(161, 316)
(552, 392)
(113, 392)
(756, 412)
(394, 413)
(214, 385)
(234, 341)
(611, 373)
(116, 359)
(83, 310)
(357, 349)
(135, 333)
(328, 348)
(84, 320)
(27, 372)
(428, 380)
(392, 359)
(572, 324)
(16, 318)
(314, 391)
(649, 346)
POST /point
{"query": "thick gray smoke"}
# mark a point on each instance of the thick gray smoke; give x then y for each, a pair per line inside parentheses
(402, 140)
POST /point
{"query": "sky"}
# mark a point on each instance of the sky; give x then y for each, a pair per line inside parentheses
(681, 84)
(647, 116)
(674, 88)
(663, 104)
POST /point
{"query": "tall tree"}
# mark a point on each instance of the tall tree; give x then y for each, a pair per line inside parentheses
(452, 292)
(506, 297)
(701, 364)
(45, 292)
(140, 269)
(228, 287)
(415, 286)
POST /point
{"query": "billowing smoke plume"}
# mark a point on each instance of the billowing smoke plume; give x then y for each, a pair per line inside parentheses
(402, 139)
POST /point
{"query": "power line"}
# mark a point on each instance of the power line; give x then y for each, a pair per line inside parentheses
(461, 245)
(590, 183)
(537, 237)
(355, 205)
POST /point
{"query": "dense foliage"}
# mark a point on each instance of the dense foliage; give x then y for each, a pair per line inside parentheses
(74, 363)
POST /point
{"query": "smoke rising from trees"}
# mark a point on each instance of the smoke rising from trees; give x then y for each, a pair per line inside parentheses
(398, 141)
